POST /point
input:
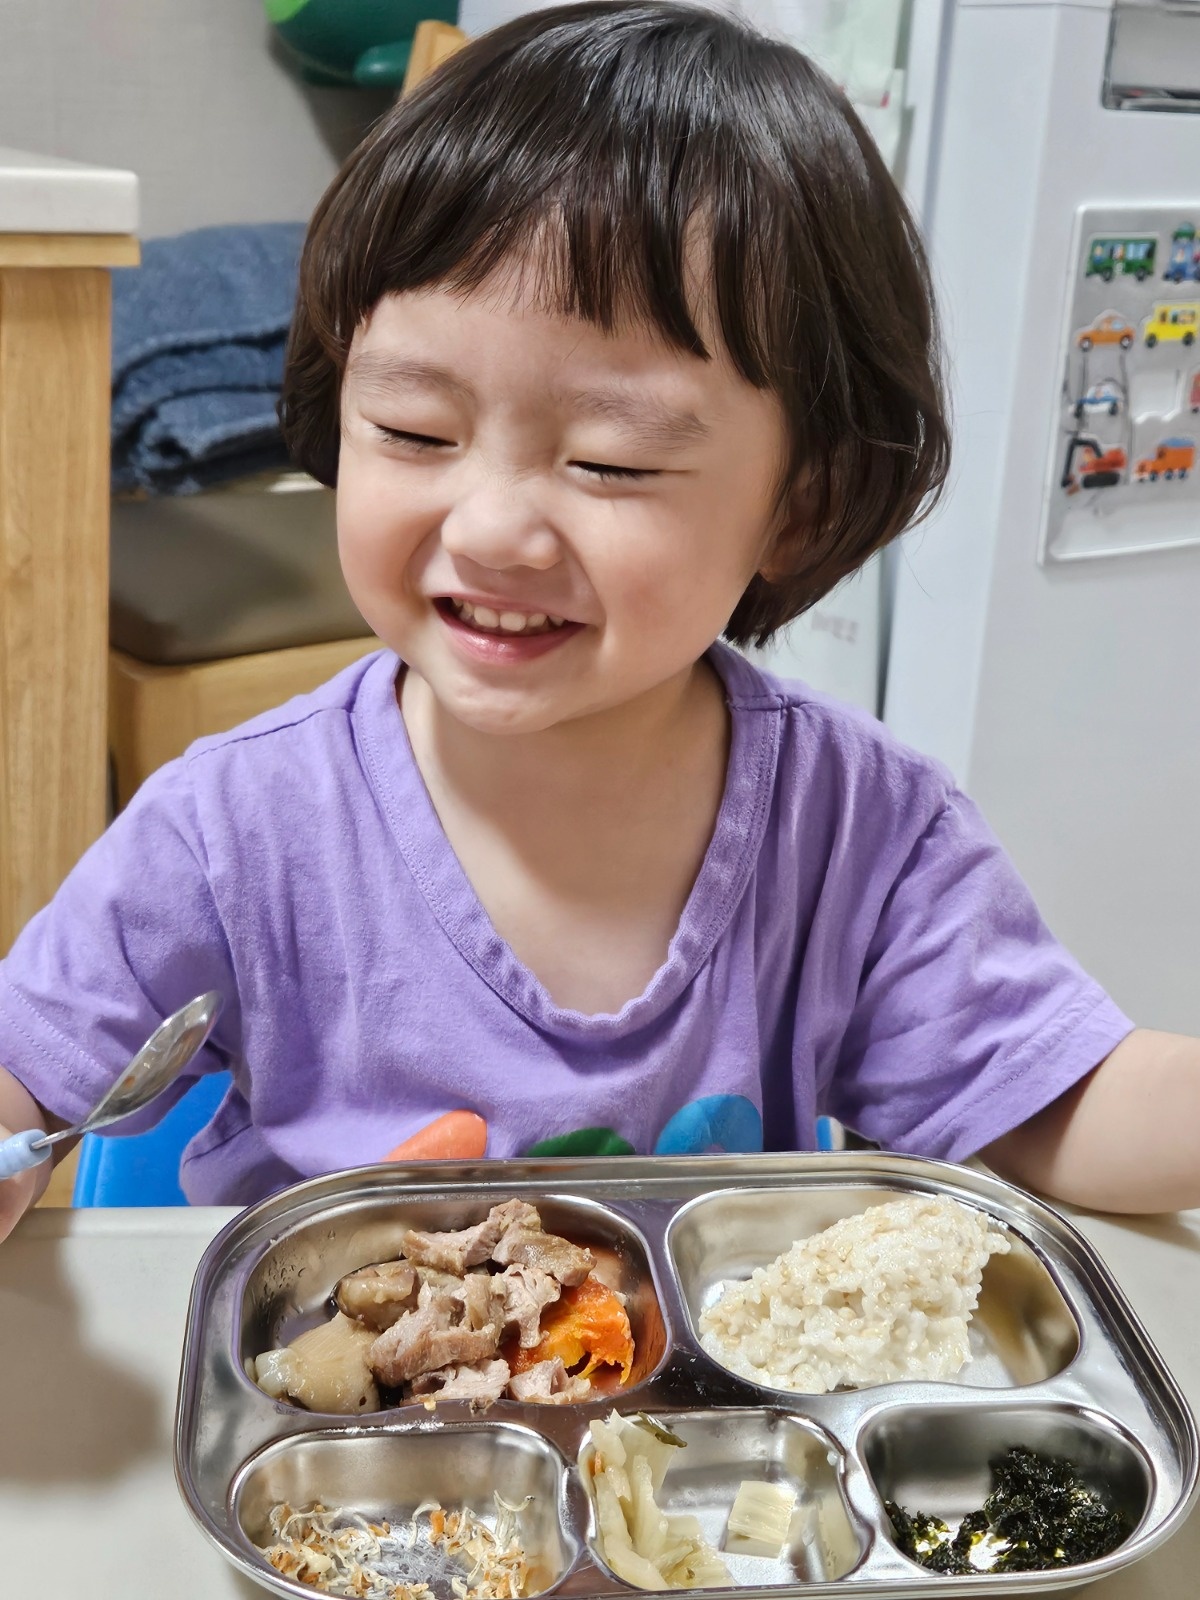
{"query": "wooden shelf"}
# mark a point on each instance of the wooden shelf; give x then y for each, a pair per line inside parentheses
(69, 250)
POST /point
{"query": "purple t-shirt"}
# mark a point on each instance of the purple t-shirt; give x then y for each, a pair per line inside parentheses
(856, 943)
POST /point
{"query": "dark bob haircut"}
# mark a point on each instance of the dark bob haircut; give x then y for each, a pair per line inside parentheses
(609, 139)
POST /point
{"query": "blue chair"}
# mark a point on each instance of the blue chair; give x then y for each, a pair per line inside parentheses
(143, 1168)
(830, 1134)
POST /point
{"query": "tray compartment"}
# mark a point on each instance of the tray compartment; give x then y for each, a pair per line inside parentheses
(1022, 1332)
(935, 1458)
(723, 1447)
(289, 1288)
(386, 1473)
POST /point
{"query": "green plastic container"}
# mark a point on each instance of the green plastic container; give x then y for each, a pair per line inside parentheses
(354, 41)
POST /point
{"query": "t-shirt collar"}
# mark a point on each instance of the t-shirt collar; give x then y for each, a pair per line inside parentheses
(724, 873)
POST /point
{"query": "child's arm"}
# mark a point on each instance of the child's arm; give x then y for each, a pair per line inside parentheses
(1126, 1138)
(119, 948)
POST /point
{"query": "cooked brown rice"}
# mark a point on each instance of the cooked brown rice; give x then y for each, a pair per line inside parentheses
(876, 1298)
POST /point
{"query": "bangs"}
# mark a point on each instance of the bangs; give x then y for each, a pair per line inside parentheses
(622, 156)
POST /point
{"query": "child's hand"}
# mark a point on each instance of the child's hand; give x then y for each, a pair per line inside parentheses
(18, 1194)
(19, 1110)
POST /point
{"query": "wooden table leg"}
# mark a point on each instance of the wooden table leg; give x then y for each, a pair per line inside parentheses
(54, 459)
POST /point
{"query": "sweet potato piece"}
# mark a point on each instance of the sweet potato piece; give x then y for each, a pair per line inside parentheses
(587, 1324)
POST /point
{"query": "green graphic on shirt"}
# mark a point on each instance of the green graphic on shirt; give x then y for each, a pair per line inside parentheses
(729, 1123)
(583, 1142)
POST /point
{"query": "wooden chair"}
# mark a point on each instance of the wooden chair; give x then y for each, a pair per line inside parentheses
(433, 43)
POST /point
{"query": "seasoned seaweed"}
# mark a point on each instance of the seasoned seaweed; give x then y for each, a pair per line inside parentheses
(1050, 1517)
(1039, 1505)
(928, 1539)
(915, 1532)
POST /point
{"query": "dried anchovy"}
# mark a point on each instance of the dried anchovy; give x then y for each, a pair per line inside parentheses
(334, 1551)
(499, 1567)
(338, 1552)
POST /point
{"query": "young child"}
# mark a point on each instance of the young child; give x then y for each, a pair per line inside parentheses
(617, 338)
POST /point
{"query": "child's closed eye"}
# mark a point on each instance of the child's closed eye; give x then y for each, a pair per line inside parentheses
(415, 441)
(602, 470)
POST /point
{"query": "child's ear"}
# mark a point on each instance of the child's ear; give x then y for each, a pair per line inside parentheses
(779, 562)
(792, 527)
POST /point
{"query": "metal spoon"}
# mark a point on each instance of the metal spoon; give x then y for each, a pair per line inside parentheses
(160, 1060)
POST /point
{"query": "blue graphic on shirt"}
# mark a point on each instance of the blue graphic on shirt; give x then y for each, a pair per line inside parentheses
(717, 1123)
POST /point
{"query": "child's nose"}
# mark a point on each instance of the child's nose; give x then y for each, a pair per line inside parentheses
(499, 525)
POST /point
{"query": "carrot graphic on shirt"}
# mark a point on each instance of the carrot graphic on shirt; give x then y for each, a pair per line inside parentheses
(457, 1136)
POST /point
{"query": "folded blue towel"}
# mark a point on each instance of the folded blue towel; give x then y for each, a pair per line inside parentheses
(198, 338)
(205, 288)
(165, 378)
(201, 440)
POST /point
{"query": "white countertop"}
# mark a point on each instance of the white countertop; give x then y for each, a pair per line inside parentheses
(45, 194)
(92, 1311)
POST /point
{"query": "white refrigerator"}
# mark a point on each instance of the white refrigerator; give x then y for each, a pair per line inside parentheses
(1044, 637)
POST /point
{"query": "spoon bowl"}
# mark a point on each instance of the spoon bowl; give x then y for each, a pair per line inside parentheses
(158, 1063)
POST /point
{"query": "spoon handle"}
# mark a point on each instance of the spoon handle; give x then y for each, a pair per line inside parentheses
(19, 1153)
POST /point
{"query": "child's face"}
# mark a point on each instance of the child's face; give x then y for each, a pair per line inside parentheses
(503, 468)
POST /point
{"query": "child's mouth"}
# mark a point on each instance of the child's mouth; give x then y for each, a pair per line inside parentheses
(499, 624)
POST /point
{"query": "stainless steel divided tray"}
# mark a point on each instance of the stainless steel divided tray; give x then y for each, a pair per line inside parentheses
(1061, 1365)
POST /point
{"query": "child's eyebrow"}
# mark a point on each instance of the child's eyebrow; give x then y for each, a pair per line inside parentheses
(378, 371)
(644, 419)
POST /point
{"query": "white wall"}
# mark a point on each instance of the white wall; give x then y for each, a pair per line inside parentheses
(189, 94)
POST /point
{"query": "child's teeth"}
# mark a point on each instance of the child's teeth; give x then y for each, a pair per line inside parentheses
(504, 621)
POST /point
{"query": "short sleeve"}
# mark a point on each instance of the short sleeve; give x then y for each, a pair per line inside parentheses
(970, 1016)
(132, 935)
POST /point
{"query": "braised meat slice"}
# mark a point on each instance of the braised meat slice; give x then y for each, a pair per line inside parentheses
(526, 1246)
(482, 1299)
(431, 1336)
(468, 1247)
(378, 1296)
(432, 1278)
(516, 1214)
(480, 1382)
(404, 1349)
(456, 1251)
(526, 1292)
(548, 1383)
(417, 1343)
